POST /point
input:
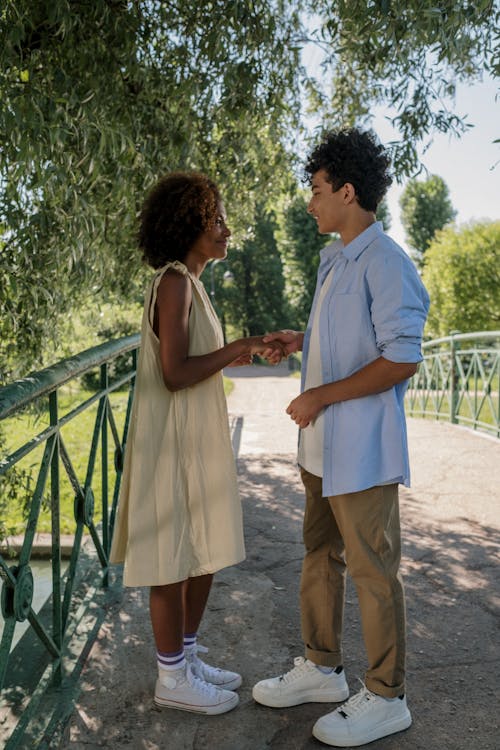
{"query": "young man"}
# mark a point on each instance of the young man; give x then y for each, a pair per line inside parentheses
(361, 345)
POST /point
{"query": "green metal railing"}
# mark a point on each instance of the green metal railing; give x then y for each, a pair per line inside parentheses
(52, 646)
(459, 380)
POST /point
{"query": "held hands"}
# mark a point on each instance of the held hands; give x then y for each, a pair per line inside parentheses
(305, 408)
(272, 346)
(291, 342)
(256, 345)
(273, 351)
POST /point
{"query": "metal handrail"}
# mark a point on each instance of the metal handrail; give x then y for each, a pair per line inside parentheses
(16, 395)
(53, 633)
(459, 383)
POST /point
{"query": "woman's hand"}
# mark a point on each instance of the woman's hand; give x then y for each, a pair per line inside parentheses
(305, 408)
(244, 359)
(291, 342)
(273, 351)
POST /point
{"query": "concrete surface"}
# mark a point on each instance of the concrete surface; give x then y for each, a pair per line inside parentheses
(451, 524)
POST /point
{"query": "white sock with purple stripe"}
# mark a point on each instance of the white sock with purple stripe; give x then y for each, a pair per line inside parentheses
(170, 662)
(190, 641)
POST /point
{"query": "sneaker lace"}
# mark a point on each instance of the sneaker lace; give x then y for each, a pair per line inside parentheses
(199, 666)
(206, 688)
(357, 704)
(300, 666)
(201, 649)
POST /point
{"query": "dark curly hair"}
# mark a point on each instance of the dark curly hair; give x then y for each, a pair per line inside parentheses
(180, 207)
(353, 156)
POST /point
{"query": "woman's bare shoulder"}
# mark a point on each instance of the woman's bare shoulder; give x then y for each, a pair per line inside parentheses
(174, 285)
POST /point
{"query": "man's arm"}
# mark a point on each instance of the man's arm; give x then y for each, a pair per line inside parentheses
(378, 376)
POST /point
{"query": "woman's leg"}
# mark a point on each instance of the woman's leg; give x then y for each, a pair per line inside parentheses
(167, 610)
(196, 591)
(196, 595)
(174, 607)
(177, 608)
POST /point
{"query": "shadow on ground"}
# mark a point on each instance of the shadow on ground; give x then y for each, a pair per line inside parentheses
(252, 625)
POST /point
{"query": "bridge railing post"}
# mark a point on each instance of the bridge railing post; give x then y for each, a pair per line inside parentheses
(454, 377)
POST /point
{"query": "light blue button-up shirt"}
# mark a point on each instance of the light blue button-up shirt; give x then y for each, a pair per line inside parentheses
(376, 306)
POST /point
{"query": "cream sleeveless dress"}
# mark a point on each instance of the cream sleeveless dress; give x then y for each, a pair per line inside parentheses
(179, 512)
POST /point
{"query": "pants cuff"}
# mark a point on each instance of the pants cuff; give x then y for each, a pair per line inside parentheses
(324, 658)
(384, 690)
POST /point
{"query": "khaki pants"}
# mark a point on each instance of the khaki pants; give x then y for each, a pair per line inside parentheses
(359, 532)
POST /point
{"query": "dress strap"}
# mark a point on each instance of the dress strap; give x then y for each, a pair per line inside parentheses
(175, 265)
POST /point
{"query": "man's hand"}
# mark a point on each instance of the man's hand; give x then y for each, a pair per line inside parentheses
(376, 377)
(275, 349)
(305, 408)
(291, 342)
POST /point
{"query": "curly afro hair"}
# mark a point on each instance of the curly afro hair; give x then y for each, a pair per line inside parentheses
(180, 207)
(353, 156)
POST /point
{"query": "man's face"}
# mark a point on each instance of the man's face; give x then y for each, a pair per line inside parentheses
(327, 207)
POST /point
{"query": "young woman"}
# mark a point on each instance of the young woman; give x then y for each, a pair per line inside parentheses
(179, 515)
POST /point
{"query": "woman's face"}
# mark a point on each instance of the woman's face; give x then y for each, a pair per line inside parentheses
(212, 243)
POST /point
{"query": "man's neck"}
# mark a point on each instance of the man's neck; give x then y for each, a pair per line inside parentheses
(356, 226)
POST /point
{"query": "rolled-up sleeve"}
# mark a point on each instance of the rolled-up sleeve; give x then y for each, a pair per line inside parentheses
(399, 306)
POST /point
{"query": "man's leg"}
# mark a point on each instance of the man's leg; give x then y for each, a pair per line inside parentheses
(319, 677)
(322, 589)
(369, 522)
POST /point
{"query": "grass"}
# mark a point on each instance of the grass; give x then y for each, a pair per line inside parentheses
(77, 438)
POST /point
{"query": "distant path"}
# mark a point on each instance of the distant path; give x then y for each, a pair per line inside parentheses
(260, 397)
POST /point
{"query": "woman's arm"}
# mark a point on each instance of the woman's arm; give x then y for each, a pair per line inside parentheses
(173, 304)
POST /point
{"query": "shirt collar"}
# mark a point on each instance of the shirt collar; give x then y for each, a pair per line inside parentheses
(330, 251)
(353, 249)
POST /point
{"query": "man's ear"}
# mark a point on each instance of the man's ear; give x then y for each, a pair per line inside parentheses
(349, 193)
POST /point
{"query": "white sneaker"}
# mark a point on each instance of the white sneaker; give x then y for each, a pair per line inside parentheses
(305, 683)
(221, 678)
(364, 718)
(182, 689)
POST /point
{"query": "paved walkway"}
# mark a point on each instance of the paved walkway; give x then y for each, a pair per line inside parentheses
(451, 520)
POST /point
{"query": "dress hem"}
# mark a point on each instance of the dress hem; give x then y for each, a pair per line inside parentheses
(201, 571)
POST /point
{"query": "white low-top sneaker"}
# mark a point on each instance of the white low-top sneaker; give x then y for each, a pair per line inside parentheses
(182, 689)
(305, 683)
(364, 718)
(221, 678)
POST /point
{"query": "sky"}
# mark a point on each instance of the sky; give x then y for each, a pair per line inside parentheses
(470, 165)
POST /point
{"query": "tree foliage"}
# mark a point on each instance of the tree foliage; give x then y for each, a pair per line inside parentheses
(99, 98)
(254, 300)
(425, 208)
(300, 244)
(409, 57)
(384, 214)
(462, 275)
